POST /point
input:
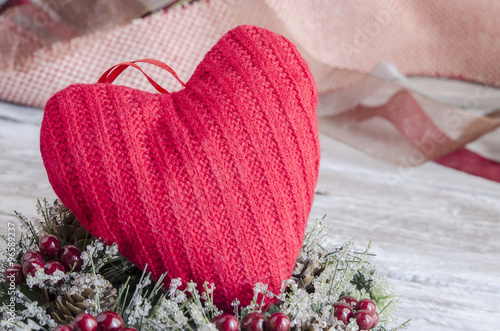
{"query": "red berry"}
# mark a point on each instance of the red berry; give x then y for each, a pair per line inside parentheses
(109, 321)
(84, 322)
(29, 255)
(375, 319)
(342, 311)
(349, 299)
(70, 257)
(253, 322)
(14, 273)
(63, 328)
(52, 266)
(366, 304)
(278, 322)
(30, 267)
(364, 319)
(227, 322)
(49, 245)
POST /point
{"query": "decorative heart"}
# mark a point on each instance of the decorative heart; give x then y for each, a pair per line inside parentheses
(211, 183)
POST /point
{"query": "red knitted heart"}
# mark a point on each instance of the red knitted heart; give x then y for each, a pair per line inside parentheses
(211, 183)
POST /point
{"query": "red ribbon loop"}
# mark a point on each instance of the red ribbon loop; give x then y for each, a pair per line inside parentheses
(112, 73)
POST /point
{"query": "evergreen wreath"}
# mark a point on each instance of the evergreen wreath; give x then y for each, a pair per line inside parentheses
(58, 277)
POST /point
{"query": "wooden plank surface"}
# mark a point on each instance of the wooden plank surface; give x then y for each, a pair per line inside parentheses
(436, 231)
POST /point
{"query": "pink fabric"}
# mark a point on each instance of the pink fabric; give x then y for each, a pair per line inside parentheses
(31, 28)
(447, 38)
(211, 183)
(471, 163)
(340, 40)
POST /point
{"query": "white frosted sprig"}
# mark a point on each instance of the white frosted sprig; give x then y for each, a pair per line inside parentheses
(99, 253)
(140, 309)
(315, 234)
(168, 316)
(55, 211)
(24, 319)
(208, 300)
(43, 280)
(196, 314)
(112, 250)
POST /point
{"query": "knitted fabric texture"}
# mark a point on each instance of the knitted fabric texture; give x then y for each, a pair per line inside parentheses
(211, 183)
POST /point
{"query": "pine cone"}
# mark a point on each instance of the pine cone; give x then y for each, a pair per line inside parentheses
(306, 268)
(70, 231)
(79, 297)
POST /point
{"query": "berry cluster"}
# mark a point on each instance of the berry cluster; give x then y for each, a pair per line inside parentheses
(105, 321)
(68, 259)
(364, 311)
(253, 322)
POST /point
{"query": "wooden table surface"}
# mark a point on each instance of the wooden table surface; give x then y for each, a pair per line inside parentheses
(436, 231)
